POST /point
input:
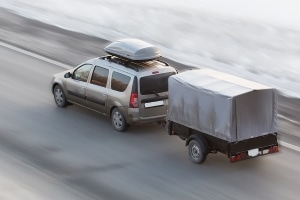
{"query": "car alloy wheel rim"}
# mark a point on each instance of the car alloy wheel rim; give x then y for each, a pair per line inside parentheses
(117, 118)
(58, 96)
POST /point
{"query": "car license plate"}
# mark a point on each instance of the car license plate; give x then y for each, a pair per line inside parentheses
(253, 152)
(154, 104)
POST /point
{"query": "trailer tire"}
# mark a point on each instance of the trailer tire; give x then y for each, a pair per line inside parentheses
(197, 151)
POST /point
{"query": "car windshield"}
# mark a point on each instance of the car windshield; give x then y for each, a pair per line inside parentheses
(155, 84)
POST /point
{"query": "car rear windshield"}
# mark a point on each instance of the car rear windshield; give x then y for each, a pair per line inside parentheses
(155, 84)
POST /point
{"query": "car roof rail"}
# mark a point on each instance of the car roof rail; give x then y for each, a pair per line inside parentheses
(128, 63)
(107, 57)
(167, 64)
(124, 62)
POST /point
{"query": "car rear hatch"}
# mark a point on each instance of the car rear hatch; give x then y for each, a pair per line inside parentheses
(153, 94)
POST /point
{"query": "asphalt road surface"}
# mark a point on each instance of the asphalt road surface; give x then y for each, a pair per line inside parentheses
(76, 152)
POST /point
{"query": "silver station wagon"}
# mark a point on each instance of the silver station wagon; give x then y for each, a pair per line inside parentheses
(130, 85)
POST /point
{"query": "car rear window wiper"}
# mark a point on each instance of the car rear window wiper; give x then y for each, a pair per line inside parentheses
(152, 92)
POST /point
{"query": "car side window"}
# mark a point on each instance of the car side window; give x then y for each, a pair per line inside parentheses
(82, 73)
(100, 76)
(119, 82)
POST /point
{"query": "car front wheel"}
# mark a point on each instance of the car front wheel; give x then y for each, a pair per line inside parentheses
(59, 96)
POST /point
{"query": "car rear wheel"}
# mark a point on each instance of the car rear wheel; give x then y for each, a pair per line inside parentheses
(197, 151)
(59, 96)
(118, 120)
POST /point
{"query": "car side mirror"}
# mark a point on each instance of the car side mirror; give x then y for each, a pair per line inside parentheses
(68, 75)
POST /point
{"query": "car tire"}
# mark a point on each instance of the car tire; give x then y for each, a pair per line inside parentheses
(118, 120)
(59, 96)
(197, 151)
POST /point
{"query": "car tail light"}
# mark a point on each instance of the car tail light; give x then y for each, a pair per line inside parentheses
(134, 100)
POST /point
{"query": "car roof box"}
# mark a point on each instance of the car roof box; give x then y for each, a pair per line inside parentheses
(133, 49)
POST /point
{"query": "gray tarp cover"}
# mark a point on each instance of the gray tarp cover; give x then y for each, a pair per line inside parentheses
(222, 105)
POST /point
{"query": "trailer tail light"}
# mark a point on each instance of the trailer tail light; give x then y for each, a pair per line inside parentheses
(134, 100)
(245, 155)
(273, 149)
(238, 157)
(235, 158)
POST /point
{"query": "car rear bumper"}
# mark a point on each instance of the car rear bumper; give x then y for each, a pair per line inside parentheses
(133, 117)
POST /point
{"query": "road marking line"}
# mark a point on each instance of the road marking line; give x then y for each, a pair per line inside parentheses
(290, 120)
(288, 145)
(43, 58)
(296, 148)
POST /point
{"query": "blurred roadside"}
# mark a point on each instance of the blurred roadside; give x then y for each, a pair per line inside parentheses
(72, 48)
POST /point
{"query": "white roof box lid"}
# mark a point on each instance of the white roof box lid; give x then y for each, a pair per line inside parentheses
(133, 49)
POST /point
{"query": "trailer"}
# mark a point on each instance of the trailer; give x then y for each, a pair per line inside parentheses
(217, 112)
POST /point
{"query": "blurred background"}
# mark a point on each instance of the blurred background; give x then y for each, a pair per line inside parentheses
(258, 40)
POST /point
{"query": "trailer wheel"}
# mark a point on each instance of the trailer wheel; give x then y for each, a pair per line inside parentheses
(197, 151)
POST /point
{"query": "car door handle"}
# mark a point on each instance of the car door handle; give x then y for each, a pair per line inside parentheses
(82, 88)
(104, 94)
